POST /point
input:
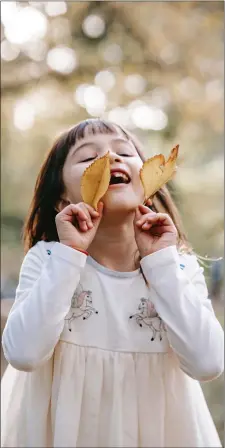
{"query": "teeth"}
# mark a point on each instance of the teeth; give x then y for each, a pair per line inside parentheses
(119, 174)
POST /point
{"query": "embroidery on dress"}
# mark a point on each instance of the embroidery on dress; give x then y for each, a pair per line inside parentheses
(81, 306)
(144, 317)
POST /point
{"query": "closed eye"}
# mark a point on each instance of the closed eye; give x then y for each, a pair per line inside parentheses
(87, 160)
(92, 158)
(125, 155)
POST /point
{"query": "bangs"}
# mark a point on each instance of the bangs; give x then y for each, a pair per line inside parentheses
(92, 127)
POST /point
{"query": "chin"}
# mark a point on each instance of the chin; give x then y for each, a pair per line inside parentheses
(121, 203)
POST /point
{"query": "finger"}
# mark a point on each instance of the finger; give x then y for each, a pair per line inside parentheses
(100, 208)
(80, 225)
(138, 214)
(72, 212)
(159, 230)
(95, 221)
(141, 221)
(144, 218)
(148, 203)
(161, 218)
(146, 226)
(79, 212)
(83, 226)
(82, 216)
(144, 210)
(93, 213)
(155, 229)
(164, 217)
(88, 220)
(99, 218)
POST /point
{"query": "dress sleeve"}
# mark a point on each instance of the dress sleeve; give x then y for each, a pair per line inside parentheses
(43, 299)
(179, 294)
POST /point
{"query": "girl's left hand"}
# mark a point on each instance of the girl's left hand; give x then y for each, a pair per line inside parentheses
(153, 231)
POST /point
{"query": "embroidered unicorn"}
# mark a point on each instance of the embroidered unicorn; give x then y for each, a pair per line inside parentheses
(144, 316)
(81, 306)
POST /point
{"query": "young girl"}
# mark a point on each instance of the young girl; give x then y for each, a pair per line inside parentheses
(112, 328)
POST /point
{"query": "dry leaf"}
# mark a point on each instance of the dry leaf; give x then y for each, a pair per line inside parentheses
(95, 181)
(155, 172)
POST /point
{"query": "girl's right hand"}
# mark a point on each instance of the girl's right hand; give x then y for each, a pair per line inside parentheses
(77, 224)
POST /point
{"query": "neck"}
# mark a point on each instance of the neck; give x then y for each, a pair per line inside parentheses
(114, 245)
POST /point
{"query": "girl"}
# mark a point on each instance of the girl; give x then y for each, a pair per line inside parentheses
(112, 328)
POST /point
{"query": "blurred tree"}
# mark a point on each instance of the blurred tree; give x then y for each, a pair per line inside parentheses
(156, 68)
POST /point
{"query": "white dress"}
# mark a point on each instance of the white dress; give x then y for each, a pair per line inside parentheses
(119, 365)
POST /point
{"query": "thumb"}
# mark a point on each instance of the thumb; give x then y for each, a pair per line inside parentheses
(100, 211)
(100, 208)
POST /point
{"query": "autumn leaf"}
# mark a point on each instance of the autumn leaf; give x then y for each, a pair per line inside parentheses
(95, 181)
(156, 172)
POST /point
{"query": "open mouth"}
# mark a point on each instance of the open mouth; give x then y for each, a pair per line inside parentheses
(119, 178)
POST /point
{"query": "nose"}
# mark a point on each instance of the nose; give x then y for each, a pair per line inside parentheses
(113, 157)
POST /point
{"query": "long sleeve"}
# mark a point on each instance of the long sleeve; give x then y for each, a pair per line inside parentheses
(179, 294)
(47, 282)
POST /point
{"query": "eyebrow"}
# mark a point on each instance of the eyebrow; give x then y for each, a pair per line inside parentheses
(118, 140)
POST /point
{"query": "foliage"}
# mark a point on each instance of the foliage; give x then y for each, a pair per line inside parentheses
(154, 67)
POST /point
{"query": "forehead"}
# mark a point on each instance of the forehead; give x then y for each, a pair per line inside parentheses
(98, 134)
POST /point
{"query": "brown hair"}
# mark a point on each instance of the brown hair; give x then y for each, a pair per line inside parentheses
(40, 222)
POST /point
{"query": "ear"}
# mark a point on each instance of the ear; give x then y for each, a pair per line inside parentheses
(61, 204)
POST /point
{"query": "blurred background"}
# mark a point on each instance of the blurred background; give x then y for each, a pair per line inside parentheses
(155, 68)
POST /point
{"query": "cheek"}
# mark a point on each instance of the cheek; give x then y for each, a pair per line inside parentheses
(137, 180)
(72, 174)
(135, 171)
(72, 180)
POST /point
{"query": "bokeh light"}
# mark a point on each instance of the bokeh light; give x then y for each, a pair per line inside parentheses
(147, 117)
(214, 90)
(25, 24)
(9, 52)
(35, 50)
(62, 59)
(106, 80)
(9, 11)
(79, 94)
(135, 84)
(94, 100)
(54, 9)
(121, 116)
(169, 53)
(113, 54)
(23, 115)
(93, 26)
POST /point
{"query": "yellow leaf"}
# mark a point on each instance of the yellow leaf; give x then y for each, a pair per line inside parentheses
(155, 172)
(95, 181)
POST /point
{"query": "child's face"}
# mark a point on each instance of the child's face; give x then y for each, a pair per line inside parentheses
(122, 154)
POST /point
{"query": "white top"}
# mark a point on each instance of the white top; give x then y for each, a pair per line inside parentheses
(116, 366)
